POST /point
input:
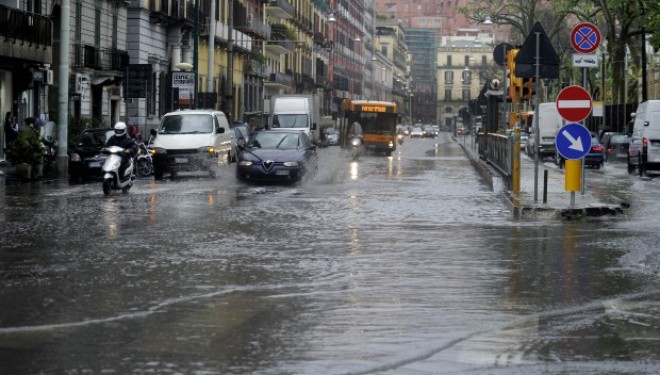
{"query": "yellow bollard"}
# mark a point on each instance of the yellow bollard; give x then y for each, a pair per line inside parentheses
(516, 164)
(573, 175)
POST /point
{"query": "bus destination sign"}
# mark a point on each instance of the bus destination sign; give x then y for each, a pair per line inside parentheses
(375, 108)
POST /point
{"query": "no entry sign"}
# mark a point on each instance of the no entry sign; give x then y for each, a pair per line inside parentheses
(574, 103)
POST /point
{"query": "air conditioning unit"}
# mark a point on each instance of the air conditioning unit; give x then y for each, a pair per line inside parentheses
(50, 77)
(81, 84)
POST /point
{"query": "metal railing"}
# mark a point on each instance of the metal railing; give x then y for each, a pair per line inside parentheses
(496, 149)
(20, 26)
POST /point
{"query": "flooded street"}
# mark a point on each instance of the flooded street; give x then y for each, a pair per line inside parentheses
(403, 265)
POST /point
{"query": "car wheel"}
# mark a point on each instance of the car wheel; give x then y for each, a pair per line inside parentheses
(631, 168)
(642, 168)
(158, 173)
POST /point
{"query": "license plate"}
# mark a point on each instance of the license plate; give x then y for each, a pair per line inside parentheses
(282, 172)
(180, 160)
(94, 164)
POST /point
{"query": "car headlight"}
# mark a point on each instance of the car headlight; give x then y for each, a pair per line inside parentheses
(391, 144)
(207, 150)
(355, 142)
(158, 151)
(291, 164)
(244, 163)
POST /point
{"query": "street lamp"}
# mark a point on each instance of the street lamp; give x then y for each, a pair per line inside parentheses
(410, 111)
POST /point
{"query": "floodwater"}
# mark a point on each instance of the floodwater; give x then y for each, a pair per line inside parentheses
(399, 265)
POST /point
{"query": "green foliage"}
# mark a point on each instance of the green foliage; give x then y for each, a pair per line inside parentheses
(27, 149)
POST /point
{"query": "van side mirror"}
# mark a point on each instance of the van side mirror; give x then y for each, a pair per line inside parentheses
(221, 130)
(313, 126)
(153, 133)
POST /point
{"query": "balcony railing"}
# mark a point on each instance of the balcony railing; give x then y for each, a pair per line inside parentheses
(279, 79)
(101, 59)
(25, 27)
(280, 8)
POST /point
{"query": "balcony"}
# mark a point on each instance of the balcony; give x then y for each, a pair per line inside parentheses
(86, 56)
(280, 9)
(25, 35)
(279, 80)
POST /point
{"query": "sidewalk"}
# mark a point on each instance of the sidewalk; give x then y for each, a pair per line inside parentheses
(552, 199)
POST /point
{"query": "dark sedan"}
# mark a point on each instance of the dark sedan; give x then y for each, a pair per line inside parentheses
(276, 156)
(86, 159)
(596, 155)
(616, 147)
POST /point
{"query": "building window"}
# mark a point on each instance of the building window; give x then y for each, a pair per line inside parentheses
(467, 60)
(97, 28)
(466, 77)
(466, 94)
(78, 31)
(447, 94)
(448, 60)
(449, 77)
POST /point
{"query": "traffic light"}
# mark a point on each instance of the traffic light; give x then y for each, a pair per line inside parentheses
(515, 83)
(528, 88)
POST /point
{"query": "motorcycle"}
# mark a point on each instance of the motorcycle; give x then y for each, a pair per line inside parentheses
(111, 178)
(355, 147)
(399, 138)
(144, 162)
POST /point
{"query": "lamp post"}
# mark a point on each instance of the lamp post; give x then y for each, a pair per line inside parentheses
(410, 111)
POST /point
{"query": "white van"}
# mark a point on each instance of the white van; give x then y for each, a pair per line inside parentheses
(296, 111)
(644, 149)
(190, 140)
(549, 124)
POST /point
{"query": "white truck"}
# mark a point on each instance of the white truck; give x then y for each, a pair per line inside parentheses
(297, 111)
(549, 124)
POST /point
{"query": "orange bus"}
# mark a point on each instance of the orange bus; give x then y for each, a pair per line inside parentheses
(378, 120)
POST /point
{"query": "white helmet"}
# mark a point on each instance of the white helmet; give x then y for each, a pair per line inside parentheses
(120, 128)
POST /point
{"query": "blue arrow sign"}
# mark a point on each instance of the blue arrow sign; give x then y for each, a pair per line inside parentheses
(573, 141)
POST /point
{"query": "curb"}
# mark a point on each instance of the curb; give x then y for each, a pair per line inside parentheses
(521, 210)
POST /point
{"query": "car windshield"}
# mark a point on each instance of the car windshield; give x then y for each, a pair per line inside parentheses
(95, 138)
(278, 140)
(290, 121)
(186, 124)
(619, 139)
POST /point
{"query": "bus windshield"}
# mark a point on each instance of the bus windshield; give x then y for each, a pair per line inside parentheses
(376, 123)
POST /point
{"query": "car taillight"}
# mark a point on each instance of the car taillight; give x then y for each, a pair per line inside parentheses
(597, 148)
(645, 144)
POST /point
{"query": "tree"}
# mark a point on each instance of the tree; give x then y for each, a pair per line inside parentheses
(521, 16)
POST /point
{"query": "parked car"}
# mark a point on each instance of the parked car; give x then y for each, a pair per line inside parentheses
(594, 158)
(417, 132)
(596, 155)
(644, 149)
(237, 132)
(616, 146)
(283, 156)
(86, 159)
(330, 137)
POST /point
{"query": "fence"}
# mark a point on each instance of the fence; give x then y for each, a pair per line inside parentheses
(496, 149)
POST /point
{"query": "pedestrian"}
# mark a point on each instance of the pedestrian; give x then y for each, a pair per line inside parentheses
(11, 129)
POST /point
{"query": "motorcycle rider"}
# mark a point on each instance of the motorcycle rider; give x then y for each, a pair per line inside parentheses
(123, 140)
